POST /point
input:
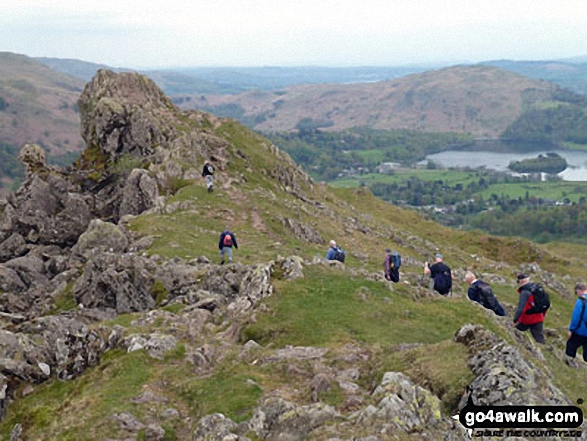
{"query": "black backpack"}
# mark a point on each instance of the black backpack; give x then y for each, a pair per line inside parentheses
(443, 282)
(486, 295)
(541, 299)
(340, 254)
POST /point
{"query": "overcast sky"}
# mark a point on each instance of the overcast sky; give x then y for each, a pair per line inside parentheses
(155, 33)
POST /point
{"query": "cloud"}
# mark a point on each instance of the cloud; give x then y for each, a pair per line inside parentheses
(257, 32)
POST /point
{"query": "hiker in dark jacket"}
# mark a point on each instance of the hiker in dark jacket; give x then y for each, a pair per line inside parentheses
(225, 244)
(578, 328)
(391, 272)
(523, 321)
(440, 275)
(208, 172)
(481, 292)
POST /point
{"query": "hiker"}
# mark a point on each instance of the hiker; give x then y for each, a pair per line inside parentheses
(391, 265)
(225, 244)
(481, 292)
(523, 319)
(578, 328)
(208, 172)
(440, 275)
(335, 252)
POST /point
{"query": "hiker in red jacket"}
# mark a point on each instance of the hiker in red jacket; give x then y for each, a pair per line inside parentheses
(524, 321)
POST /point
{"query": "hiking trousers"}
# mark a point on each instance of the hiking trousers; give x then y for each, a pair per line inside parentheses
(537, 331)
(575, 342)
(226, 251)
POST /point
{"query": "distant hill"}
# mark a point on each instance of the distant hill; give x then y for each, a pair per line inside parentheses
(481, 100)
(38, 105)
(570, 74)
(171, 82)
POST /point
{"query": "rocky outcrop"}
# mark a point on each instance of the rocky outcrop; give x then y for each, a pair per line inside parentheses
(125, 114)
(48, 346)
(119, 281)
(302, 231)
(504, 375)
(100, 237)
(140, 193)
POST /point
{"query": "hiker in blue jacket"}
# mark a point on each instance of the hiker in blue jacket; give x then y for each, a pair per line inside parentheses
(225, 244)
(331, 253)
(578, 328)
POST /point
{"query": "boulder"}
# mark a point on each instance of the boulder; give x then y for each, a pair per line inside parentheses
(14, 246)
(279, 419)
(140, 193)
(119, 281)
(100, 237)
(216, 427)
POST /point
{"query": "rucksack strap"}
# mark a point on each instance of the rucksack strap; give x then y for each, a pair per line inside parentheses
(582, 315)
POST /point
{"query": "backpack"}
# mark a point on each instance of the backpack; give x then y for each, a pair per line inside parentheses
(340, 254)
(396, 260)
(227, 241)
(443, 282)
(541, 300)
(486, 295)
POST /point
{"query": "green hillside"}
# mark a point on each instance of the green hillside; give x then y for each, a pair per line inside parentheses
(346, 318)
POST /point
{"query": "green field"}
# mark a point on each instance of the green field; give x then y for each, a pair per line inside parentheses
(554, 190)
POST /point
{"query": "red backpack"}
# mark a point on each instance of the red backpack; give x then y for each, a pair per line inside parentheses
(227, 242)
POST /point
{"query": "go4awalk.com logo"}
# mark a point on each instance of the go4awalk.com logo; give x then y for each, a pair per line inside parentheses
(521, 421)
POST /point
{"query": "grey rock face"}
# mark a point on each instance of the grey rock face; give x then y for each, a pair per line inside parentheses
(100, 237)
(278, 419)
(156, 345)
(46, 346)
(140, 193)
(14, 246)
(216, 427)
(504, 376)
(302, 231)
(125, 114)
(119, 281)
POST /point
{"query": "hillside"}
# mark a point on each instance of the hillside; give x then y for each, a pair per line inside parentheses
(570, 74)
(172, 82)
(480, 100)
(117, 322)
(38, 105)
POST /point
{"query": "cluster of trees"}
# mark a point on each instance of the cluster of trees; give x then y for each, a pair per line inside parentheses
(539, 223)
(551, 163)
(562, 121)
(10, 166)
(464, 207)
(326, 154)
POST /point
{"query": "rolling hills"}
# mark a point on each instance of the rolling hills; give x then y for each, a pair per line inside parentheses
(481, 100)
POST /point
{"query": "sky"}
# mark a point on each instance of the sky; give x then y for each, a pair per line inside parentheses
(200, 33)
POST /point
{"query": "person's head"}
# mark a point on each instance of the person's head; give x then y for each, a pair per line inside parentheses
(469, 277)
(438, 257)
(387, 250)
(332, 244)
(522, 279)
(580, 289)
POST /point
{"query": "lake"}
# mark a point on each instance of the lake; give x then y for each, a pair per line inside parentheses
(497, 155)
